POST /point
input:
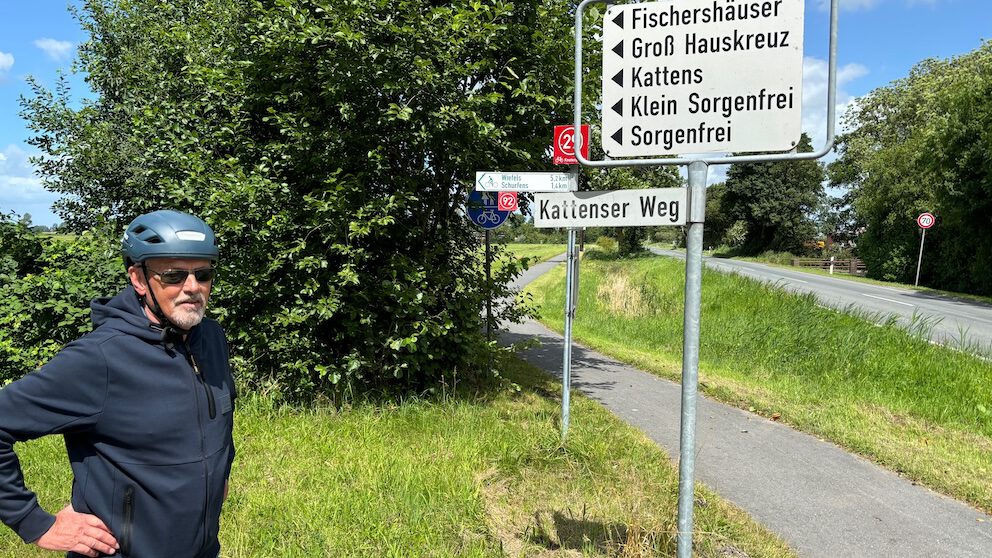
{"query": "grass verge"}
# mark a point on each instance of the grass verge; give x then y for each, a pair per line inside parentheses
(535, 253)
(920, 409)
(466, 475)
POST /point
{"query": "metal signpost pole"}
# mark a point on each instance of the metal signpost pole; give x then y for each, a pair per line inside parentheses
(690, 352)
(631, 103)
(489, 289)
(566, 370)
(571, 286)
(919, 260)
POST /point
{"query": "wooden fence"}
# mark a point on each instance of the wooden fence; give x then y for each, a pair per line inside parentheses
(851, 267)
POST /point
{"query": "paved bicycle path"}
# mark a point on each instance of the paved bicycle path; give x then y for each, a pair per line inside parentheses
(824, 501)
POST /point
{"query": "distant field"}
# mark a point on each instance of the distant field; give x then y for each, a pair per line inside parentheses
(920, 409)
(535, 253)
(471, 476)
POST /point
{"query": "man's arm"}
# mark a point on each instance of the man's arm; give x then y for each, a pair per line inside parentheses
(67, 394)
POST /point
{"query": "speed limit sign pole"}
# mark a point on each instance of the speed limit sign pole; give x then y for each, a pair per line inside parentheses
(925, 221)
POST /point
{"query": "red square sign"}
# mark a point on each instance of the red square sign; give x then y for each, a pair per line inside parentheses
(506, 201)
(565, 141)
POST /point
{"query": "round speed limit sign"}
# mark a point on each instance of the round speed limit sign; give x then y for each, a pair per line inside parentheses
(926, 220)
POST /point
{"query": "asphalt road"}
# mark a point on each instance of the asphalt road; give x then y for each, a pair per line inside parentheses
(952, 319)
(824, 501)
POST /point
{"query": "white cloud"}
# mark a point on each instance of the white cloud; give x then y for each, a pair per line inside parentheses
(6, 61)
(56, 50)
(21, 190)
(855, 5)
(850, 5)
(815, 73)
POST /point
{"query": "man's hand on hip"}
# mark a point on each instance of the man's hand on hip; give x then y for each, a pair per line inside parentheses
(79, 532)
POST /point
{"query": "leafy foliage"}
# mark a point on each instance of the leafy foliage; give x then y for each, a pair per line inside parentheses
(924, 143)
(47, 305)
(630, 239)
(776, 200)
(330, 145)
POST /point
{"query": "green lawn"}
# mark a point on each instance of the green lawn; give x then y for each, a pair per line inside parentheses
(466, 475)
(920, 409)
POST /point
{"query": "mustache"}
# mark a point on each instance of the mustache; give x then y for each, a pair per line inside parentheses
(196, 298)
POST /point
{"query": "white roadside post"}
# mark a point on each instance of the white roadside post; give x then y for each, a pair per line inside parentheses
(925, 221)
(682, 76)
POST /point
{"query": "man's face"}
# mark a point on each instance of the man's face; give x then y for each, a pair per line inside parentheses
(184, 303)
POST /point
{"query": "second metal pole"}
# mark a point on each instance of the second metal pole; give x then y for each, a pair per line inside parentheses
(690, 352)
(566, 369)
(919, 260)
(489, 291)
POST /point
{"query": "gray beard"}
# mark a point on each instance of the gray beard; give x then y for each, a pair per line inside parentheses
(188, 319)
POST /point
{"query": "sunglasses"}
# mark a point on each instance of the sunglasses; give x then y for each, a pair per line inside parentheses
(178, 276)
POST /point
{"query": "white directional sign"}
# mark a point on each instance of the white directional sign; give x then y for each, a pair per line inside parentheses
(619, 208)
(492, 181)
(687, 76)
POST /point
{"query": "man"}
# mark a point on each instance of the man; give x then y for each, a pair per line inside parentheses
(145, 404)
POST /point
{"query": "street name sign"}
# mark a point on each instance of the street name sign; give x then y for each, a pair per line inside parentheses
(492, 181)
(688, 76)
(619, 208)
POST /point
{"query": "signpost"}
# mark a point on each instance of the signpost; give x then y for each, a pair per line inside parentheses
(492, 181)
(483, 210)
(691, 77)
(925, 221)
(683, 77)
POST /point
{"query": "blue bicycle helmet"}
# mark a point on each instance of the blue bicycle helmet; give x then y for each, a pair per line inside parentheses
(168, 234)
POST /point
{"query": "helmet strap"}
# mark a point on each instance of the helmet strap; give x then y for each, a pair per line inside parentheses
(167, 326)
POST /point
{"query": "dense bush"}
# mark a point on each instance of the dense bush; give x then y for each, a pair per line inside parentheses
(923, 143)
(48, 306)
(330, 145)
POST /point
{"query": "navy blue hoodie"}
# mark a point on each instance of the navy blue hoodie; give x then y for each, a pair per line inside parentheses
(149, 439)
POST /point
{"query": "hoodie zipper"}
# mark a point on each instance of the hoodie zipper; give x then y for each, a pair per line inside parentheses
(128, 521)
(211, 405)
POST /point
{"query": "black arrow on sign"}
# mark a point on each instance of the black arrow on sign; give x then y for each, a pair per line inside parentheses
(619, 20)
(618, 108)
(619, 49)
(618, 136)
(619, 78)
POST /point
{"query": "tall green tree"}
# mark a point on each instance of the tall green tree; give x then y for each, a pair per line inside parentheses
(776, 201)
(924, 143)
(330, 145)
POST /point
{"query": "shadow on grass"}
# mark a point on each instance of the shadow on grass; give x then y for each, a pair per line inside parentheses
(562, 530)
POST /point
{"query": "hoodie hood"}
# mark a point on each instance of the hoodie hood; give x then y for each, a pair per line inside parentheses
(124, 313)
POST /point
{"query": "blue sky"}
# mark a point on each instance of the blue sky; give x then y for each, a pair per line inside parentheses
(880, 40)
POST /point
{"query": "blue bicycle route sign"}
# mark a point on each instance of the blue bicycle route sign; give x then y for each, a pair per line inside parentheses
(482, 210)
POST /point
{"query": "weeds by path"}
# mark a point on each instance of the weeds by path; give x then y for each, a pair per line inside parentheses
(474, 475)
